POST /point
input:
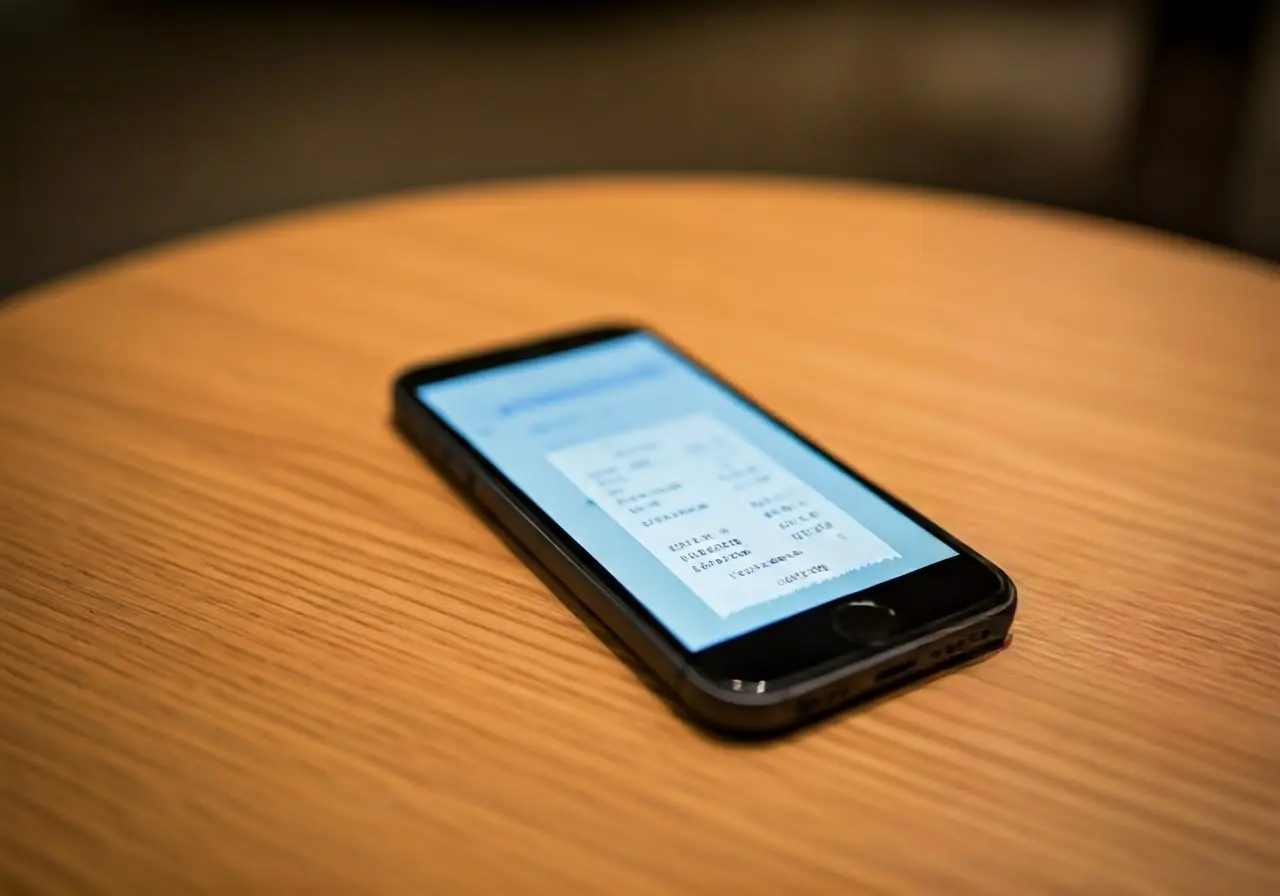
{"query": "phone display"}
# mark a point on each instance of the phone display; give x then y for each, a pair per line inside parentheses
(715, 517)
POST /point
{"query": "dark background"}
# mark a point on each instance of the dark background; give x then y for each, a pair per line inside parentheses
(123, 124)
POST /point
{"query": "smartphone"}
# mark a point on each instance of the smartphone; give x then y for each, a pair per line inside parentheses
(760, 580)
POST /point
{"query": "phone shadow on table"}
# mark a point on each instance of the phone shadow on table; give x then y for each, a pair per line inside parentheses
(659, 688)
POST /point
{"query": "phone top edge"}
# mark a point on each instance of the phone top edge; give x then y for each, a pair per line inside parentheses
(483, 357)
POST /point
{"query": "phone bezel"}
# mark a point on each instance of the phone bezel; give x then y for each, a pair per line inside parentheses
(929, 599)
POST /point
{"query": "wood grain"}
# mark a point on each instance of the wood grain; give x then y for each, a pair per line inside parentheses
(250, 644)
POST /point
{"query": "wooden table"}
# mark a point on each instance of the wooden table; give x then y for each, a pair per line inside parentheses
(251, 644)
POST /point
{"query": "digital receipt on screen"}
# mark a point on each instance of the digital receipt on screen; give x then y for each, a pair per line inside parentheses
(724, 517)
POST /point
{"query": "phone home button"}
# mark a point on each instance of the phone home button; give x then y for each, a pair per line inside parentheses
(864, 622)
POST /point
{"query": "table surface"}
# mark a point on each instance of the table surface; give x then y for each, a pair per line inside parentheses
(251, 643)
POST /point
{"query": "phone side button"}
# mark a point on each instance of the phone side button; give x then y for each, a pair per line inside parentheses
(483, 493)
(458, 470)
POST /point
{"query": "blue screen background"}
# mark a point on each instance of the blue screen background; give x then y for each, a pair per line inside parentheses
(514, 415)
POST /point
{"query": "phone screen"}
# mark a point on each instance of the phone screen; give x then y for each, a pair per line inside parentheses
(716, 518)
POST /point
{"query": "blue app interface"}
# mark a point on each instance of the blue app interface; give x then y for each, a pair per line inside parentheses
(714, 517)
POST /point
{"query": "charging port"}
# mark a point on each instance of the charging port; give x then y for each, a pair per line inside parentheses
(895, 670)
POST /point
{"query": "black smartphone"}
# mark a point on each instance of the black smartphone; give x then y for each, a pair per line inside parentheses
(762, 581)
